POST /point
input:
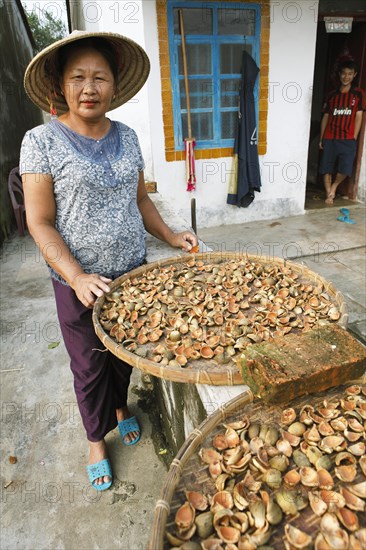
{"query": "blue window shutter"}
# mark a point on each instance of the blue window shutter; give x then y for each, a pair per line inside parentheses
(204, 107)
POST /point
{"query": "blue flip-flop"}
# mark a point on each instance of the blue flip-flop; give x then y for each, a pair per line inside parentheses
(346, 219)
(127, 426)
(344, 211)
(97, 470)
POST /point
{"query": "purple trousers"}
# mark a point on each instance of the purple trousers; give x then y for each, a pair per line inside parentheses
(101, 380)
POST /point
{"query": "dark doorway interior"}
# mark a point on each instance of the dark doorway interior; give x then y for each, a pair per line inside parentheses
(329, 49)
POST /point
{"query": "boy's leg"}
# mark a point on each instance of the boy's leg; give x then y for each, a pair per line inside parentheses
(327, 178)
(326, 167)
(332, 193)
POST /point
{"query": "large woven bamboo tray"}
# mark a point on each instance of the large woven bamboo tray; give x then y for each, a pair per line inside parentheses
(203, 371)
(189, 473)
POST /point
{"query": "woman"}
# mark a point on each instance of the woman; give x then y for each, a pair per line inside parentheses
(87, 210)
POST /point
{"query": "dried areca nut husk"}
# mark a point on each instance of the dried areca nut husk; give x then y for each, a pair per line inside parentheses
(292, 478)
(321, 544)
(355, 425)
(345, 457)
(346, 473)
(348, 518)
(222, 517)
(197, 499)
(187, 534)
(361, 533)
(215, 468)
(300, 458)
(173, 539)
(362, 463)
(352, 501)
(358, 449)
(232, 437)
(272, 478)
(286, 500)
(294, 440)
(274, 513)
(332, 498)
(251, 483)
(228, 534)
(279, 462)
(284, 447)
(353, 436)
(324, 428)
(209, 455)
(221, 481)
(309, 476)
(204, 525)
(240, 521)
(222, 499)
(339, 424)
(261, 536)
(354, 543)
(212, 544)
(288, 416)
(325, 462)
(332, 443)
(353, 390)
(317, 504)
(296, 537)
(336, 537)
(220, 442)
(255, 444)
(312, 435)
(184, 516)
(258, 513)
(297, 428)
(325, 479)
(271, 436)
(313, 454)
(358, 489)
(239, 496)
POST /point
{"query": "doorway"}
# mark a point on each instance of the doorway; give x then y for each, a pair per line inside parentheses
(330, 49)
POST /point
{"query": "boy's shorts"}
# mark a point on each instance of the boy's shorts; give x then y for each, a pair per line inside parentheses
(338, 155)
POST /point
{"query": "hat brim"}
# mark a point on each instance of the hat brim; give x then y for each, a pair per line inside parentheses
(134, 68)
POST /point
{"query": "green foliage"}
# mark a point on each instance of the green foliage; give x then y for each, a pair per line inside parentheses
(45, 29)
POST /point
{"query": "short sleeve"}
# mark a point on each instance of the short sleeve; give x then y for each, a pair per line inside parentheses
(139, 158)
(33, 157)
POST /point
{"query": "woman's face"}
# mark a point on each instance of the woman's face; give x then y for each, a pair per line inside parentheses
(87, 84)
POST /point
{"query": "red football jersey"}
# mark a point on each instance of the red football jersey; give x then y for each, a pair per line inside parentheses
(342, 109)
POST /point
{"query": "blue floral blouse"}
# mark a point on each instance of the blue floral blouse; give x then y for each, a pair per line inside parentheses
(95, 187)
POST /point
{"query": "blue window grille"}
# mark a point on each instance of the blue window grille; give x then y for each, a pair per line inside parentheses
(216, 33)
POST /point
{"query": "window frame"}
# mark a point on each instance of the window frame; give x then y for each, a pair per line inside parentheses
(215, 40)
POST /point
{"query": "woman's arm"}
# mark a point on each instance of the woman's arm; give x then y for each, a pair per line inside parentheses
(156, 226)
(41, 215)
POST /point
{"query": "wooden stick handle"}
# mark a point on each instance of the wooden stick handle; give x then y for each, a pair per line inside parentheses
(185, 71)
(193, 215)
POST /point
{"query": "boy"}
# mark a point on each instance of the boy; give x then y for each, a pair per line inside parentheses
(339, 129)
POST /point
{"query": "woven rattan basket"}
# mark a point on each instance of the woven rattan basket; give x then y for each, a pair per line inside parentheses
(203, 371)
(188, 472)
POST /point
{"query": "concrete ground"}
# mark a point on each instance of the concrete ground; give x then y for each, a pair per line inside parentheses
(46, 500)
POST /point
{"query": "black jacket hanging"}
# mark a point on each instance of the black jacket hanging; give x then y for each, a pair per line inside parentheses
(248, 177)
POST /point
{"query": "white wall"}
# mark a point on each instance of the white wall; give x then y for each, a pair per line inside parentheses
(292, 51)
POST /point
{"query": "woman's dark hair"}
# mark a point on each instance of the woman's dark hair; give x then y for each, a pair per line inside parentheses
(103, 46)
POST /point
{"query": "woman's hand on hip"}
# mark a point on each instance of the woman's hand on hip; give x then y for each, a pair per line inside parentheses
(88, 287)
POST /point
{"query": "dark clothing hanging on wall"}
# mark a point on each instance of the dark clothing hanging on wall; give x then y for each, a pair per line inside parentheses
(248, 177)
